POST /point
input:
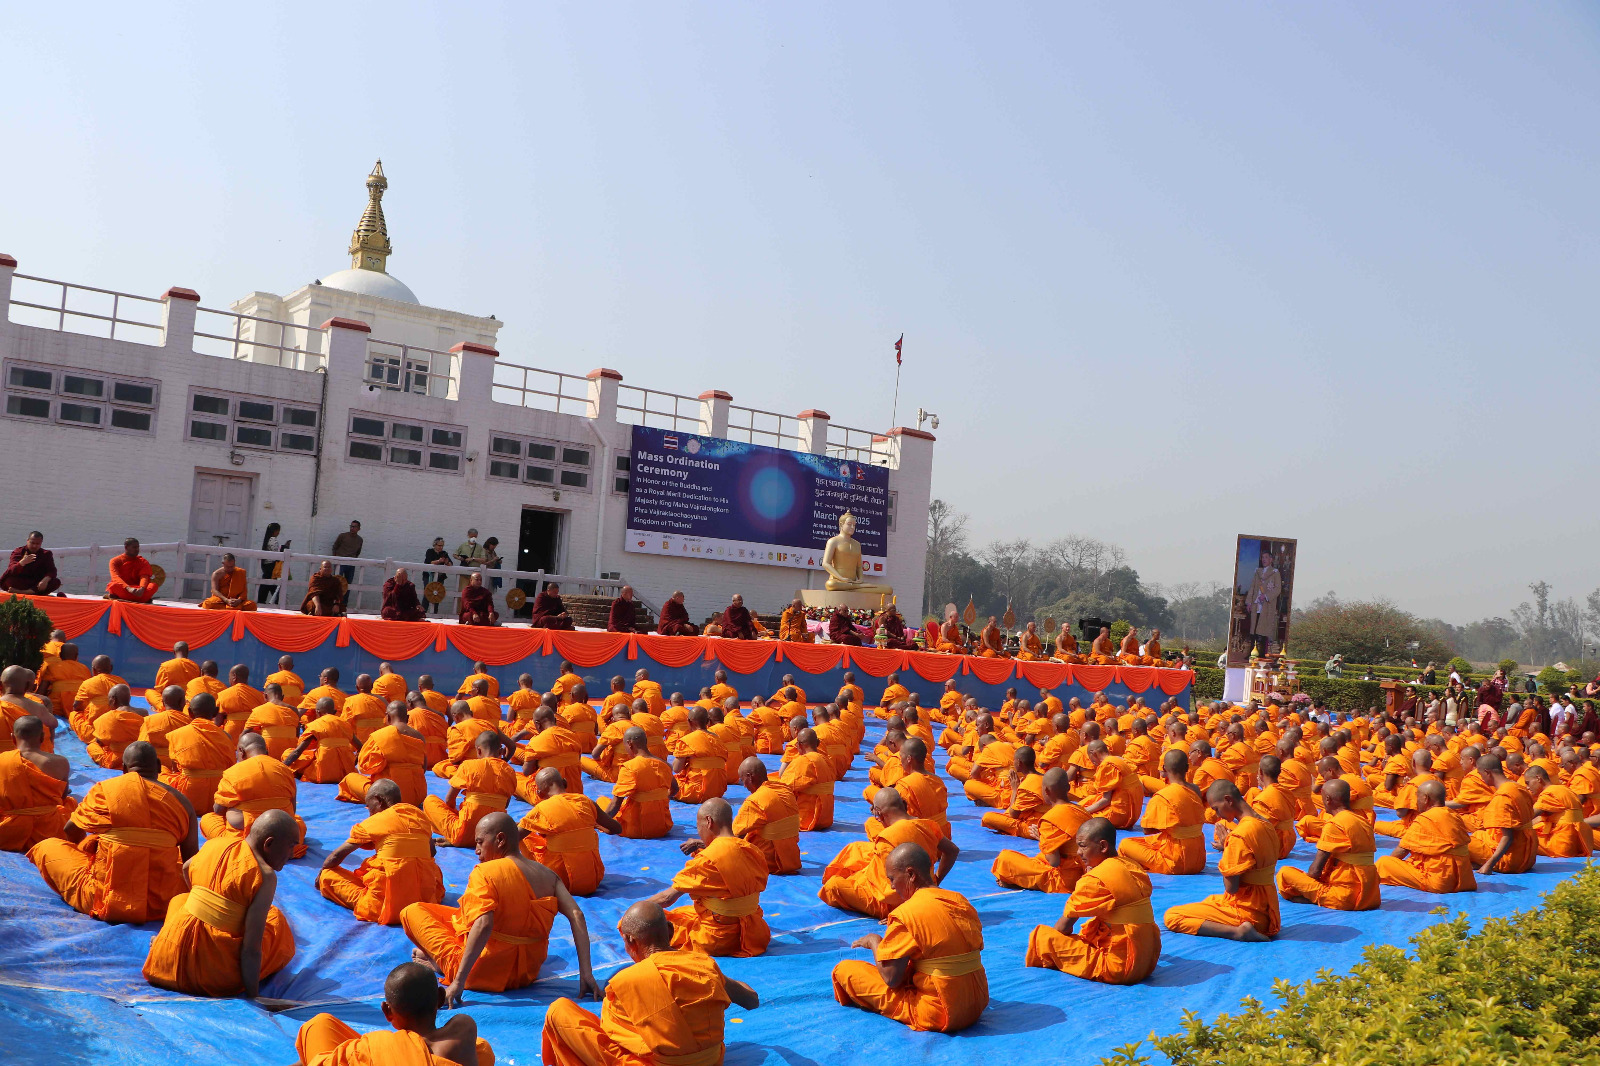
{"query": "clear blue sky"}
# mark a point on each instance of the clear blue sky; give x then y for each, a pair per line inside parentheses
(1167, 274)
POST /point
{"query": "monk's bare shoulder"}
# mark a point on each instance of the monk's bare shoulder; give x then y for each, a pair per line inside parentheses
(457, 1040)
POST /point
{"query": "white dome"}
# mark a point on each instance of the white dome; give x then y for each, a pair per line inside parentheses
(371, 283)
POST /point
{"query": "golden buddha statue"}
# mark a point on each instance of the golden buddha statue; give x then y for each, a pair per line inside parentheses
(841, 558)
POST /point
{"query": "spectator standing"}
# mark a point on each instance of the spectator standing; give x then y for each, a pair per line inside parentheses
(491, 558)
(439, 557)
(347, 545)
(272, 568)
(469, 553)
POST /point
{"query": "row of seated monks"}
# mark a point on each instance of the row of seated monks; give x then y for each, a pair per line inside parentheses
(209, 782)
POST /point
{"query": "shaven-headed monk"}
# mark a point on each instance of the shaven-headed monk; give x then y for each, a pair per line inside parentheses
(254, 784)
(120, 857)
(412, 999)
(116, 728)
(1174, 820)
(395, 752)
(60, 679)
(1558, 815)
(1027, 804)
(199, 752)
(723, 878)
(132, 579)
(1343, 876)
(93, 696)
(639, 799)
(1118, 792)
(928, 968)
(285, 677)
(769, 818)
(276, 721)
(324, 593)
(811, 777)
(1504, 840)
(857, 879)
(17, 702)
(552, 746)
(178, 670)
(665, 1008)
(560, 832)
(1432, 855)
(34, 802)
(326, 752)
(223, 936)
(1057, 867)
(480, 786)
(1247, 909)
(229, 583)
(156, 726)
(1121, 941)
(700, 763)
(498, 937)
(365, 712)
(401, 871)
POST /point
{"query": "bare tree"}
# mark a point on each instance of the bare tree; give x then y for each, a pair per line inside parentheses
(1012, 562)
(947, 541)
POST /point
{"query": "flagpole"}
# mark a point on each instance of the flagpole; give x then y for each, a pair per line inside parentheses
(898, 361)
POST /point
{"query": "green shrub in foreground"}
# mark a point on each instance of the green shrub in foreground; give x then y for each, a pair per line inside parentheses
(1525, 991)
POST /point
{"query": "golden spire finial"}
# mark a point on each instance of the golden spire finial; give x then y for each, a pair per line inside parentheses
(369, 244)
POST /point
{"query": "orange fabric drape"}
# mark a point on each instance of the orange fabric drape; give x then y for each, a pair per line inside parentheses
(1094, 678)
(812, 658)
(1173, 682)
(744, 656)
(498, 646)
(933, 666)
(672, 651)
(162, 627)
(293, 633)
(989, 671)
(391, 640)
(72, 616)
(1045, 675)
(1136, 678)
(589, 649)
(879, 662)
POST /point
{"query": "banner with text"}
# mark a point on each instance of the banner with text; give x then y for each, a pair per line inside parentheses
(706, 497)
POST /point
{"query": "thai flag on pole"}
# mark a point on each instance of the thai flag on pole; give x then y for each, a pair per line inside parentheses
(669, 442)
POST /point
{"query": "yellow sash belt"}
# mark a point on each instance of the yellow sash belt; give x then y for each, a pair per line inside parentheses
(824, 789)
(333, 742)
(782, 828)
(1285, 826)
(1362, 804)
(369, 724)
(572, 842)
(487, 799)
(707, 762)
(403, 846)
(1356, 858)
(216, 910)
(507, 938)
(202, 775)
(1570, 818)
(1258, 877)
(1139, 913)
(737, 907)
(710, 1056)
(29, 812)
(655, 795)
(257, 806)
(560, 762)
(951, 965)
(1462, 852)
(236, 716)
(140, 838)
(279, 732)
(1186, 832)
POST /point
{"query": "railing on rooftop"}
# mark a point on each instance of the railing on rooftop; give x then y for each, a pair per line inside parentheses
(395, 367)
(545, 390)
(859, 445)
(259, 340)
(663, 410)
(763, 427)
(84, 309)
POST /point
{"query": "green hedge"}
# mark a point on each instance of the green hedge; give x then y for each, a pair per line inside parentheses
(1525, 991)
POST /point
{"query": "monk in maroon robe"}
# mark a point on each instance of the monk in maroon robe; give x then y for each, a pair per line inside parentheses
(324, 593)
(32, 570)
(548, 610)
(623, 617)
(891, 622)
(842, 628)
(736, 621)
(477, 604)
(400, 603)
(675, 619)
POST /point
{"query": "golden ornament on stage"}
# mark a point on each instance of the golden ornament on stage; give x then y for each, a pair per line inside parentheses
(515, 599)
(433, 592)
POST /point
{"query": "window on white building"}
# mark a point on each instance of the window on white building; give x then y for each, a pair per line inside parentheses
(620, 478)
(84, 398)
(894, 507)
(255, 422)
(405, 442)
(539, 462)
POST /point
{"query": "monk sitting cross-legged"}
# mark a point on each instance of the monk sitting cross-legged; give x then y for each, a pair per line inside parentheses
(1118, 792)
(199, 753)
(327, 685)
(394, 752)
(432, 724)
(60, 679)
(723, 878)
(294, 687)
(460, 738)
(477, 604)
(256, 783)
(229, 584)
(992, 642)
(34, 803)
(481, 785)
(131, 578)
(1057, 867)
(401, 870)
(115, 729)
(1432, 855)
(498, 937)
(1342, 876)
(810, 776)
(325, 593)
(552, 747)
(156, 726)
(326, 752)
(639, 799)
(223, 936)
(1027, 804)
(675, 618)
(701, 761)
(928, 969)
(1175, 818)
(769, 818)
(1121, 941)
(560, 832)
(665, 1008)
(1560, 827)
(602, 762)
(400, 600)
(363, 711)
(17, 702)
(412, 1000)
(1504, 840)
(857, 880)
(1247, 909)
(93, 696)
(276, 721)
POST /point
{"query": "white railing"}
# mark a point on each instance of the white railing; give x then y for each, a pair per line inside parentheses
(547, 390)
(860, 446)
(189, 575)
(87, 310)
(396, 367)
(763, 427)
(259, 340)
(663, 410)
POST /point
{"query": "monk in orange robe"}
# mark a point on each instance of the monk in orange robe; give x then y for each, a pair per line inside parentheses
(1433, 855)
(206, 681)
(857, 879)
(811, 778)
(1558, 815)
(326, 752)
(723, 878)
(1030, 646)
(199, 753)
(119, 856)
(769, 818)
(1343, 876)
(237, 700)
(639, 799)
(178, 670)
(411, 1005)
(156, 726)
(366, 713)
(991, 642)
(327, 685)
(700, 763)
(665, 1008)
(1027, 804)
(989, 783)
(480, 786)
(59, 680)
(792, 624)
(34, 797)
(223, 935)
(460, 739)
(1101, 652)
(229, 585)
(927, 971)
(131, 576)
(1066, 646)
(1129, 652)
(480, 672)
(434, 727)
(1121, 941)
(1247, 908)
(325, 593)
(116, 728)
(91, 699)
(255, 784)
(1174, 821)
(551, 746)
(560, 832)
(1118, 792)
(394, 752)
(402, 869)
(275, 720)
(485, 706)
(1504, 840)
(950, 640)
(602, 761)
(1057, 867)
(389, 686)
(498, 936)
(293, 686)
